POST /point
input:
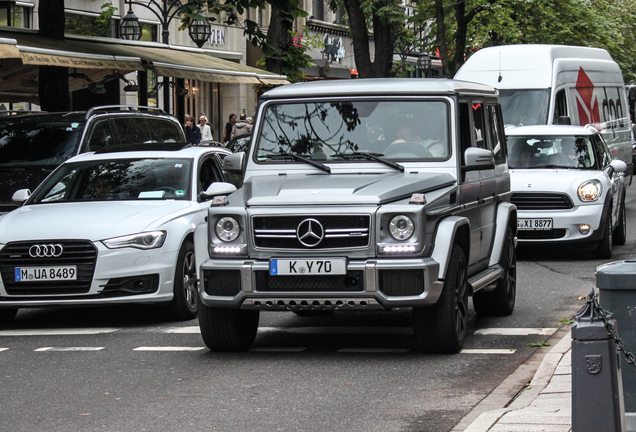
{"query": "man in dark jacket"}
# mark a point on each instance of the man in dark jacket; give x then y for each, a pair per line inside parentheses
(192, 131)
(241, 127)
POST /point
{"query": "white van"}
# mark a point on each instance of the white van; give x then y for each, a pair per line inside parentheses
(543, 84)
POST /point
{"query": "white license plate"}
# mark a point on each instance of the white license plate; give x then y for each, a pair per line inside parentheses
(318, 266)
(52, 273)
(534, 224)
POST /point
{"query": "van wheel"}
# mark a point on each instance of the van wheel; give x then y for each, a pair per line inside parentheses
(441, 328)
(226, 329)
(7, 315)
(620, 232)
(185, 302)
(501, 301)
(604, 249)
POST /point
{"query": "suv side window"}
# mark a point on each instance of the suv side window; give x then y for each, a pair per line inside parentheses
(208, 174)
(497, 138)
(479, 128)
(464, 129)
(164, 131)
(101, 136)
(132, 130)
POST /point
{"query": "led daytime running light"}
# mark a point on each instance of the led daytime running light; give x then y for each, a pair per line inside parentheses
(400, 249)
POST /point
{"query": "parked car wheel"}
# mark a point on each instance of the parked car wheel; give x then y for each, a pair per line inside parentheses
(184, 304)
(620, 232)
(442, 327)
(501, 300)
(226, 329)
(604, 249)
(7, 314)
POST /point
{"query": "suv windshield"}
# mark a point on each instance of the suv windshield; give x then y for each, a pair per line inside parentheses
(126, 179)
(328, 131)
(543, 151)
(38, 142)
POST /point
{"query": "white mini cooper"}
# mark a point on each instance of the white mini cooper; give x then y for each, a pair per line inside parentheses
(566, 187)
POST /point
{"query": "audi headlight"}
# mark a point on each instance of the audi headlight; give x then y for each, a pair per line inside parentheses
(590, 191)
(227, 229)
(401, 227)
(144, 240)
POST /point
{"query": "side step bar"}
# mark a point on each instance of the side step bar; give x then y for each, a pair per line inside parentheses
(485, 278)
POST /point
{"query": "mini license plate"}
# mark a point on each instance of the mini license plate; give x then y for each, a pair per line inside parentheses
(534, 224)
(302, 266)
(53, 273)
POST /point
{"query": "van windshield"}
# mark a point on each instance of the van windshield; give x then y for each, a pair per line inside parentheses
(337, 130)
(34, 142)
(524, 107)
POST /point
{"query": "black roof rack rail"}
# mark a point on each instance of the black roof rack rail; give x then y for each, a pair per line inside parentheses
(19, 112)
(92, 110)
(165, 146)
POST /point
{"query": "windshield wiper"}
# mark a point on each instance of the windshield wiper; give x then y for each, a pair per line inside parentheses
(293, 156)
(552, 166)
(369, 156)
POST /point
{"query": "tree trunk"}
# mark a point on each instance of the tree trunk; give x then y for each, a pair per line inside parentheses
(384, 41)
(360, 37)
(279, 35)
(53, 80)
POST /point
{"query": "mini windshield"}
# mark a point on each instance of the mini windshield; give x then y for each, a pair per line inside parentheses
(573, 152)
(126, 179)
(35, 142)
(524, 107)
(329, 131)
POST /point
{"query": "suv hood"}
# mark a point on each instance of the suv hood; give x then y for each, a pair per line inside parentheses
(551, 180)
(93, 221)
(316, 189)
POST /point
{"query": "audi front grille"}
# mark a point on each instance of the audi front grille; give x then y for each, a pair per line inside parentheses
(81, 254)
(282, 232)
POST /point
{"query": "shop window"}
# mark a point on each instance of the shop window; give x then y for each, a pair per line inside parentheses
(318, 9)
(14, 16)
(89, 25)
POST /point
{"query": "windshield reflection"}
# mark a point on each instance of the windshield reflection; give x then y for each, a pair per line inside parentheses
(576, 152)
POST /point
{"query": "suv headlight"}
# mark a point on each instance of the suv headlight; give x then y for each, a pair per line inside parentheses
(401, 227)
(144, 240)
(227, 229)
(590, 191)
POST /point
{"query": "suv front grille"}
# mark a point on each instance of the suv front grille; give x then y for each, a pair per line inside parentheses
(341, 231)
(541, 201)
(352, 281)
(81, 254)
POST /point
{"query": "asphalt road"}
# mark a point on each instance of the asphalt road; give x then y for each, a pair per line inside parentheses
(125, 369)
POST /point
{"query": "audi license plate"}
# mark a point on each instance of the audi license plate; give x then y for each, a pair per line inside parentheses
(53, 273)
(318, 266)
(534, 224)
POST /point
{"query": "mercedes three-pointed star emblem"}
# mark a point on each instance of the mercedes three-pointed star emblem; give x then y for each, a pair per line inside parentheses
(310, 232)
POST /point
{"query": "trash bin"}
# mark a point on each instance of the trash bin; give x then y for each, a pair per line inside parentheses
(616, 282)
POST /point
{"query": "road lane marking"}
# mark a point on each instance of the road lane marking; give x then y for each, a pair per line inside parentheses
(339, 330)
(168, 348)
(57, 332)
(184, 330)
(278, 349)
(3, 349)
(488, 351)
(70, 349)
(373, 350)
(516, 331)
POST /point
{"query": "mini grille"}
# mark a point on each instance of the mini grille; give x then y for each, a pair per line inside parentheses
(541, 235)
(541, 201)
(401, 282)
(352, 281)
(222, 282)
(341, 231)
(81, 254)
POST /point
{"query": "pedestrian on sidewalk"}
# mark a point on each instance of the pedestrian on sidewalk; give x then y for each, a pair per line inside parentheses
(228, 127)
(242, 127)
(192, 131)
(206, 130)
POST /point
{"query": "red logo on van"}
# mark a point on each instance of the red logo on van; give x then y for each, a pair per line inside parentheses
(588, 110)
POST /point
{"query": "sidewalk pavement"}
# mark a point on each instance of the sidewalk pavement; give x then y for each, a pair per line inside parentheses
(545, 404)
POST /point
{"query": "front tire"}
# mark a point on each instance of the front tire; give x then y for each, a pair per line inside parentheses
(604, 249)
(620, 232)
(7, 315)
(184, 304)
(442, 328)
(226, 329)
(501, 301)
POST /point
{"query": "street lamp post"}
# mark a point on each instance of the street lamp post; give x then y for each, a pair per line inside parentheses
(165, 11)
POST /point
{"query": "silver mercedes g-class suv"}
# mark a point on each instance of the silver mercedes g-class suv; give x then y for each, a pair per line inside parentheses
(368, 194)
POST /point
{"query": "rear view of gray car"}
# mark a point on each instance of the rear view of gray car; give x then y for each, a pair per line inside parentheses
(362, 195)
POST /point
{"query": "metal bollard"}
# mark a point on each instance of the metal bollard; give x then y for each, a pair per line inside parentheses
(597, 387)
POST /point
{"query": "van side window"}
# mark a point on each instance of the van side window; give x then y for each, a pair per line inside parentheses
(163, 131)
(560, 106)
(101, 136)
(479, 129)
(496, 134)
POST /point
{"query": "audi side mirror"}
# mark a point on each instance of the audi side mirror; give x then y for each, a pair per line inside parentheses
(20, 196)
(217, 189)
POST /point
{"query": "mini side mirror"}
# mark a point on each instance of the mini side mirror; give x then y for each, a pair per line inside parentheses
(478, 159)
(618, 165)
(20, 196)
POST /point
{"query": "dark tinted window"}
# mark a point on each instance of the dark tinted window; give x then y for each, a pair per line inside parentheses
(164, 131)
(101, 136)
(132, 130)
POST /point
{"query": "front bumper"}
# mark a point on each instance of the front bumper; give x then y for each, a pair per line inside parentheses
(565, 225)
(368, 284)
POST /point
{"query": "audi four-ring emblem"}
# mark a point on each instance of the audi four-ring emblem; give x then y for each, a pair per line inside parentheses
(46, 250)
(310, 232)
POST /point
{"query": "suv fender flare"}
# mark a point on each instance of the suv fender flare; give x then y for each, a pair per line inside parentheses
(506, 217)
(445, 239)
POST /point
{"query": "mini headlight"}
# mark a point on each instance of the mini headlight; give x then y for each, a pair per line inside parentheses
(144, 240)
(590, 191)
(401, 227)
(227, 229)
